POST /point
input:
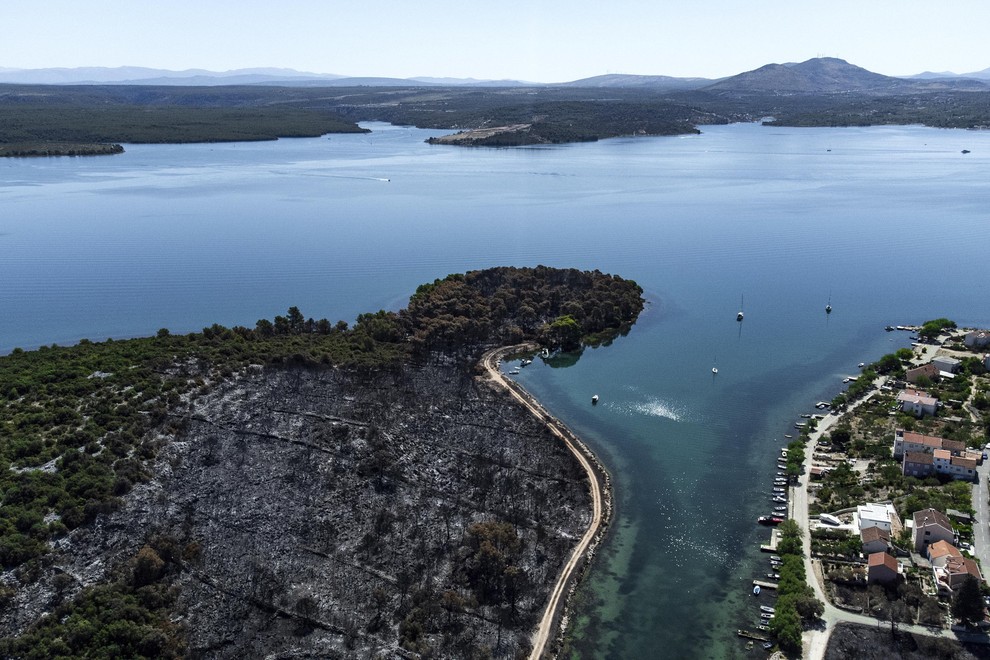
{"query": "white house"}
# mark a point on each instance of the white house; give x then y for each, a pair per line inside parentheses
(878, 515)
(917, 402)
(947, 364)
(977, 339)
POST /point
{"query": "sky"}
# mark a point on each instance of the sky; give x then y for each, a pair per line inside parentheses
(532, 40)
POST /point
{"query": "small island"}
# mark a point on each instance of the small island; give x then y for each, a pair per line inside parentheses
(341, 490)
(59, 149)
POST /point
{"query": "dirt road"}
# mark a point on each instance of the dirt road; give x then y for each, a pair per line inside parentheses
(600, 491)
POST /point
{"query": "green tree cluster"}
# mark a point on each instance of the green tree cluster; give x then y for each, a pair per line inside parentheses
(127, 618)
(796, 602)
(933, 328)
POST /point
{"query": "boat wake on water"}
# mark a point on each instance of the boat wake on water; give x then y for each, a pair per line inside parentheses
(652, 407)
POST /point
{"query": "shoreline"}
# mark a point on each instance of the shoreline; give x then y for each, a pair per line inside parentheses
(549, 634)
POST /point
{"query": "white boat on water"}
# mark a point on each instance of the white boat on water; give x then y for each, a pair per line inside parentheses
(594, 399)
(739, 316)
(756, 590)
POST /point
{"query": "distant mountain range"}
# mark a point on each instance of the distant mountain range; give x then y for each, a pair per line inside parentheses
(818, 75)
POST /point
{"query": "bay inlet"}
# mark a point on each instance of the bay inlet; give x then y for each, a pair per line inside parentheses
(889, 225)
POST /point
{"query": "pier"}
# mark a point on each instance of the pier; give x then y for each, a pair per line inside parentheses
(772, 546)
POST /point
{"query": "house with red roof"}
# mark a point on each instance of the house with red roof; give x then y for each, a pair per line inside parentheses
(882, 568)
(930, 526)
(929, 371)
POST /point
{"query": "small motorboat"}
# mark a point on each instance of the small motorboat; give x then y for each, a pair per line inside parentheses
(594, 400)
(756, 590)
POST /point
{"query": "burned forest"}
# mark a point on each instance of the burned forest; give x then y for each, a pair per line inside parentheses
(297, 488)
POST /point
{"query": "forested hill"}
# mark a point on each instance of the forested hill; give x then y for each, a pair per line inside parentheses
(135, 473)
(556, 307)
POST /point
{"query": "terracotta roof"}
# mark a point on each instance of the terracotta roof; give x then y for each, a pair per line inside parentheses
(871, 534)
(944, 454)
(929, 370)
(959, 565)
(926, 440)
(964, 462)
(882, 559)
(955, 446)
(915, 396)
(942, 549)
(918, 457)
(931, 517)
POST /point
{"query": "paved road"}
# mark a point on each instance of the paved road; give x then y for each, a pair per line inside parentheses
(816, 640)
(981, 526)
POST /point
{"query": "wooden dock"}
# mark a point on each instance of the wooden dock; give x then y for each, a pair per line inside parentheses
(752, 635)
(762, 584)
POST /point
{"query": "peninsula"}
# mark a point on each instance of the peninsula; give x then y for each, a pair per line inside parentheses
(304, 485)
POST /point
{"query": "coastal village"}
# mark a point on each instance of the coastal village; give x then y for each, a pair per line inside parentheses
(887, 492)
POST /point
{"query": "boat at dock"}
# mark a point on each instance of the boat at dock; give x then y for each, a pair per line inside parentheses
(769, 520)
(752, 635)
(756, 590)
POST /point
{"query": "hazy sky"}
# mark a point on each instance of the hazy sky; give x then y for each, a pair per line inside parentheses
(535, 40)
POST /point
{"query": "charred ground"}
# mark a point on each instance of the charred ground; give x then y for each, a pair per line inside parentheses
(298, 487)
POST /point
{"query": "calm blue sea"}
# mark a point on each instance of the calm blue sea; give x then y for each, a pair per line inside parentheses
(892, 224)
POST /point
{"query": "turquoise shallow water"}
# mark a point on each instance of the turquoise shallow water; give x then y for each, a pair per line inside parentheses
(890, 223)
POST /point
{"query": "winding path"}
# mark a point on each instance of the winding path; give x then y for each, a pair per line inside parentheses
(599, 491)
